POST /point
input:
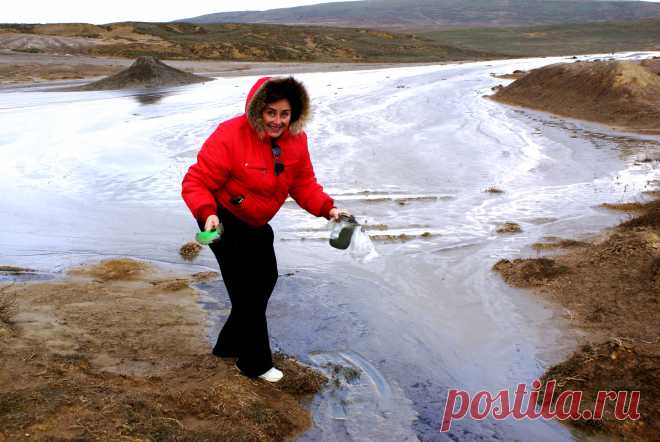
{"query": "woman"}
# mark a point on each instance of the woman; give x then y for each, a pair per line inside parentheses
(244, 172)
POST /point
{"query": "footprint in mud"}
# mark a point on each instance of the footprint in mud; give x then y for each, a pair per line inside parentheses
(360, 403)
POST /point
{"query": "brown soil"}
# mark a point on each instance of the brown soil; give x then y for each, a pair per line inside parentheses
(610, 288)
(515, 75)
(652, 64)
(117, 351)
(31, 72)
(621, 94)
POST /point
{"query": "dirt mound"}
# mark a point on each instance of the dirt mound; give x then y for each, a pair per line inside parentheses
(615, 365)
(609, 287)
(146, 72)
(529, 272)
(616, 93)
(127, 358)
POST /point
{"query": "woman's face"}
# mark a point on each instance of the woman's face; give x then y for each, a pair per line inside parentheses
(277, 116)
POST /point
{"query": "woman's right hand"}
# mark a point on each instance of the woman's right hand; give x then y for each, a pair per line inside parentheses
(212, 223)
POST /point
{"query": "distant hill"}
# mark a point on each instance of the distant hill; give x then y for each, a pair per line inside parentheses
(238, 42)
(582, 38)
(416, 14)
(265, 42)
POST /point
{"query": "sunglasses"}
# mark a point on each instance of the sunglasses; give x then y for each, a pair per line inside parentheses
(277, 151)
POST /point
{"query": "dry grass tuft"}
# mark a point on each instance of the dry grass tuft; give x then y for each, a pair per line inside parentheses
(624, 207)
(494, 189)
(7, 307)
(189, 251)
(113, 269)
(561, 244)
(528, 272)
(649, 218)
(299, 380)
(509, 227)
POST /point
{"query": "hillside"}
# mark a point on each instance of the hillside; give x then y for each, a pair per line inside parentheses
(616, 93)
(231, 42)
(433, 14)
(246, 42)
(582, 38)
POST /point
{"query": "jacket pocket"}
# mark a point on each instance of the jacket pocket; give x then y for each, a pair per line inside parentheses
(255, 167)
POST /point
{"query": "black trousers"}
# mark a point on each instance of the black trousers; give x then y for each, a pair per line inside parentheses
(248, 266)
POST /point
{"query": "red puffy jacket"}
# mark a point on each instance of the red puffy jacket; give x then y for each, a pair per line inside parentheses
(236, 162)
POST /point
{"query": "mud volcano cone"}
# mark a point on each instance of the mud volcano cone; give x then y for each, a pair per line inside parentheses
(619, 93)
(146, 72)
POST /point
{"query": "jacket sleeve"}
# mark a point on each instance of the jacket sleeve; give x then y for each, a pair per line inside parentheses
(206, 176)
(306, 191)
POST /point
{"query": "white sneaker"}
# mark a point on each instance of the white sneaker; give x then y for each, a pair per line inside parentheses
(272, 375)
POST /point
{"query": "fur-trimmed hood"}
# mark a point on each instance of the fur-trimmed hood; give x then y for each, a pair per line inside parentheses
(256, 102)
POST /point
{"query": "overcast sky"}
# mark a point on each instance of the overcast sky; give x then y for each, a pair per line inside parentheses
(100, 12)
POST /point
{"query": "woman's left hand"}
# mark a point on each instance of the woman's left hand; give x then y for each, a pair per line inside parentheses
(335, 213)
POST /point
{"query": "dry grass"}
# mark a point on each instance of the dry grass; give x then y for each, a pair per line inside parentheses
(509, 227)
(493, 189)
(624, 207)
(401, 237)
(529, 272)
(650, 217)
(560, 244)
(7, 306)
(112, 269)
(190, 250)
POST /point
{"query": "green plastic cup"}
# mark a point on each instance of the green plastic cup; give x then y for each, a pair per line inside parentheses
(207, 237)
